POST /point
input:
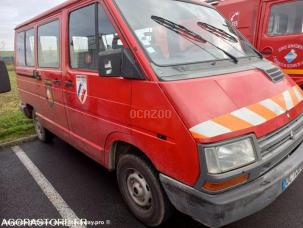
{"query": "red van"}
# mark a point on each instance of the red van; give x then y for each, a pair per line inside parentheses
(274, 27)
(177, 102)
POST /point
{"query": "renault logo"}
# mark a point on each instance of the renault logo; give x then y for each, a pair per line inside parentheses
(288, 115)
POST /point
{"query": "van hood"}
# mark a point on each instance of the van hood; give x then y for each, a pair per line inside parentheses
(220, 107)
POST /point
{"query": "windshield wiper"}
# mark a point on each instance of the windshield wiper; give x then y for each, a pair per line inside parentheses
(218, 32)
(250, 45)
(221, 33)
(183, 31)
(178, 29)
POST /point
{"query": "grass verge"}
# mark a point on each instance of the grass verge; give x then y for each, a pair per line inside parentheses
(13, 124)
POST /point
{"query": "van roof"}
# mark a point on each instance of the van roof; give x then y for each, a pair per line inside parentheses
(47, 13)
(70, 2)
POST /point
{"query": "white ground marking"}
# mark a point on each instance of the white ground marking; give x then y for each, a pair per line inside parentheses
(64, 210)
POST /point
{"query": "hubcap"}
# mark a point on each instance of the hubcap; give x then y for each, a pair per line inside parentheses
(139, 189)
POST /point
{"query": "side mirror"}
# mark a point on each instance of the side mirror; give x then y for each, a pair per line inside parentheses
(5, 85)
(119, 62)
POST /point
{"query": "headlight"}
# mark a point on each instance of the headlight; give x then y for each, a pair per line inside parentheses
(231, 156)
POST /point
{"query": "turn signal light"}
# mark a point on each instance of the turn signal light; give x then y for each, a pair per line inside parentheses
(218, 186)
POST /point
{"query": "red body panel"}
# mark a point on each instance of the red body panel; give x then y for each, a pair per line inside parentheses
(252, 17)
(105, 118)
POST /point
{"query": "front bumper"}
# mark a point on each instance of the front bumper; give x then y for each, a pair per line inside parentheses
(224, 208)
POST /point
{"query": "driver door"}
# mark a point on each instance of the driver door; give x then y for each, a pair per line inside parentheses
(97, 105)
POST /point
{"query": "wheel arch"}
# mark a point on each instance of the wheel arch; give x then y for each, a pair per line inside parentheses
(27, 109)
(119, 144)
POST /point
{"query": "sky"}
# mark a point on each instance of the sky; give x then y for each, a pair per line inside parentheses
(14, 12)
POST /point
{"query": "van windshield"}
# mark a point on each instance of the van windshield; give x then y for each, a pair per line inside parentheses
(178, 32)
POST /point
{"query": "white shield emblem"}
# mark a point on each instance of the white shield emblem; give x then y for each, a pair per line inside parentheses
(81, 82)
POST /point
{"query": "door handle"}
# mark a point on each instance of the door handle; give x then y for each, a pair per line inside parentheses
(56, 82)
(68, 84)
(267, 51)
(36, 75)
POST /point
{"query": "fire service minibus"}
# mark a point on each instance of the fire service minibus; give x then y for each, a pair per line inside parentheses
(275, 27)
(169, 96)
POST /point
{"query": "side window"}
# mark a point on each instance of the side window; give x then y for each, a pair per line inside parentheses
(20, 49)
(49, 45)
(30, 47)
(85, 42)
(286, 19)
(82, 38)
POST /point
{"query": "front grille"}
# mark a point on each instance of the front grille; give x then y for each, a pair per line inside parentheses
(275, 74)
(284, 139)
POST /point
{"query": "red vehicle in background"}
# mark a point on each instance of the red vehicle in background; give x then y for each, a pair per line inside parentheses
(274, 27)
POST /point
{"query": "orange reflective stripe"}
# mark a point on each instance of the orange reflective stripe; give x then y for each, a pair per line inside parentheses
(249, 116)
(198, 136)
(280, 101)
(293, 71)
(232, 122)
(262, 111)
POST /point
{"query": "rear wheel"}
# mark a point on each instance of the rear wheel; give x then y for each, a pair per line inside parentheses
(141, 190)
(43, 134)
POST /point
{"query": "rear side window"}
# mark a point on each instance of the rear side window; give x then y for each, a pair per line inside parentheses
(90, 31)
(49, 45)
(25, 48)
(20, 49)
(286, 19)
(30, 47)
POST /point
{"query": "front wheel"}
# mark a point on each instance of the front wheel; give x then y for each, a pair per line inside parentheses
(42, 133)
(142, 191)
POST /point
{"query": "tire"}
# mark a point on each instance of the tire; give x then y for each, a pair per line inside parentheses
(142, 191)
(42, 133)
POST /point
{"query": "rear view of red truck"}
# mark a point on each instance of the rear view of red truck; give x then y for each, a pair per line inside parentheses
(274, 27)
